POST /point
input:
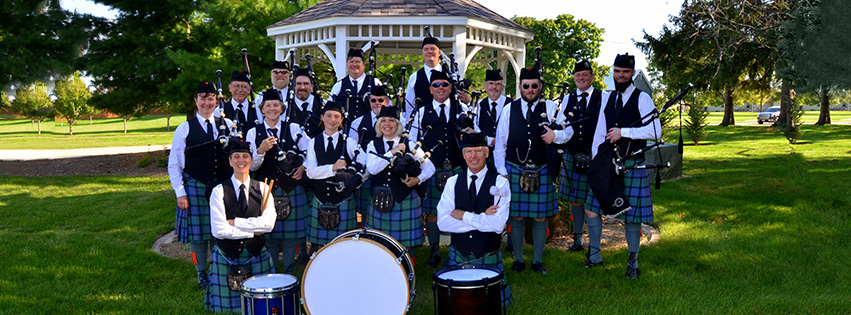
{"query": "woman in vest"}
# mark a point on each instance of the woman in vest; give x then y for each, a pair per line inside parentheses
(238, 220)
(279, 156)
(396, 207)
(363, 133)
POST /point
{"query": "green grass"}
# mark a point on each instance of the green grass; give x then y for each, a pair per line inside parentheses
(107, 132)
(810, 117)
(757, 226)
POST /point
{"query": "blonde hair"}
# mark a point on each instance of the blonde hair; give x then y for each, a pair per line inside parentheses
(378, 127)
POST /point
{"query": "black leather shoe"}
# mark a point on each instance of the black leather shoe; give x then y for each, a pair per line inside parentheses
(590, 264)
(576, 247)
(632, 272)
(518, 266)
(434, 259)
(203, 282)
(539, 267)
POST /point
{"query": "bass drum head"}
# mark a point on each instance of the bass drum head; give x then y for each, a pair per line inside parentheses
(350, 276)
(269, 284)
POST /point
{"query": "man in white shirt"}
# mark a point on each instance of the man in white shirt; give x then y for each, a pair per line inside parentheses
(349, 92)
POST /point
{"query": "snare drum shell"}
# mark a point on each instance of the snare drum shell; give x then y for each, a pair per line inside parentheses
(480, 296)
(270, 294)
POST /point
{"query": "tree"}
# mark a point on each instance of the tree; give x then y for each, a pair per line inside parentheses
(565, 40)
(695, 125)
(72, 99)
(4, 100)
(33, 103)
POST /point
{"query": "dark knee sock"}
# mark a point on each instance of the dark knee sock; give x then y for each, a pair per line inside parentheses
(518, 232)
(595, 233)
(433, 233)
(633, 241)
(539, 238)
(289, 252)
(274, 248)
(199, 255)
(578, 213)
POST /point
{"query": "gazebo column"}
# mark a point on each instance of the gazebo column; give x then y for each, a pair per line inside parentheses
(517, 63)
(342, 46)
(459, 47)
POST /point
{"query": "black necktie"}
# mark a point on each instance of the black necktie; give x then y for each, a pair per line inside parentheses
(304, 107)
(472, 189)
(443, 113)
(390, 145)
(529, 114)
(241, 118)
(583, 102)
(330, 145)
(273, 132)
(493, 110)
(355, 85)
(241, 200)
(619, 102)
(210, 129)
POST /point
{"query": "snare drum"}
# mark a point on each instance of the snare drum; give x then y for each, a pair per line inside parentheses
(468, 289)
(359, 272)
(270, 294)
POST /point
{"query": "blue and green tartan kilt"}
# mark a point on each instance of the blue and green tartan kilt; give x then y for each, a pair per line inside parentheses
(404, 222)
(193, 225)
(432, 196)
(492, 259)
(363, 197)
(219, 297)
(637, 190)
(572, 186)
(294, 226)
(540, 204)
(318, 235)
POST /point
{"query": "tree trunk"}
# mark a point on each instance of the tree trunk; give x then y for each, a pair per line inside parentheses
(39, 127)
(125, 125)
(61, 123)
(90, 120)
(168, 123)
(70, 127)
(32, 123)
(824, 115)
(785, 103)
(729, 119)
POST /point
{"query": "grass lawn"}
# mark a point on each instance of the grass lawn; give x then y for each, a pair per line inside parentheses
(810, 117)
(757, 226)
(107, 132)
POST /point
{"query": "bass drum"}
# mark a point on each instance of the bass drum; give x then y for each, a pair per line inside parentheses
(360, 272)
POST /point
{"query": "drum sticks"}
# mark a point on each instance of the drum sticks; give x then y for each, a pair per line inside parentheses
(266, 194)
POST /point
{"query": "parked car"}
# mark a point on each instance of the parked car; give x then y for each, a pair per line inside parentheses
(770, 114)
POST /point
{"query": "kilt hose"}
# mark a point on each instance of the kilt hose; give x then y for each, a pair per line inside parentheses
(318, 235)
(219, 297)
(572, 186)
(637, 190)
(540, 204)
(492, 259)
(193, 224)
(363, 197)
(404, 222)
(294, 226)
(432, 196)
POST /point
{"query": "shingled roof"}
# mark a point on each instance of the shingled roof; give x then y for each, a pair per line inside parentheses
(375, 8)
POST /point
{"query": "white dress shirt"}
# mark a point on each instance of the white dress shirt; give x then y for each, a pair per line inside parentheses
(375, 164)
(316, 171)
(251, 137)
(471, 221)
(245, 108)
(503, 126)
(652, 131)
(435, 105)
(354, 133)
(242, 227)
(177, 156)
(336, 89)
(500, 104)
(410, 95)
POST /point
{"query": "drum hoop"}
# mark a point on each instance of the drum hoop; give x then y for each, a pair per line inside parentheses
(268, 292)
(399, 264)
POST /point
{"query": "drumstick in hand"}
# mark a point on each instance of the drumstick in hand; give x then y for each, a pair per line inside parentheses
(266, 195)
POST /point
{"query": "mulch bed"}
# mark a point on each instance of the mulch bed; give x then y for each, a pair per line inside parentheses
(120, 164)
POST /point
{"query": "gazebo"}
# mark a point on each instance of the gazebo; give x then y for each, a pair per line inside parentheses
(328, 29)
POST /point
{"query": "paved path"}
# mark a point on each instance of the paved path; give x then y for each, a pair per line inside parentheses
(29, 155)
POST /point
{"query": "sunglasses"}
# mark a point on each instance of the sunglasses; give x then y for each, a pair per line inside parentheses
(280, 71)
(442, 84)
(376, 100)
(534, 86)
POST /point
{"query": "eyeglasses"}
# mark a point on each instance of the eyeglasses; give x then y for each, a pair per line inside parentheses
(442, 84)
(376, 100)
(534, 86)
(280, 71)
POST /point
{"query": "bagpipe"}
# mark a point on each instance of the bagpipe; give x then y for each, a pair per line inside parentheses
(607, 168)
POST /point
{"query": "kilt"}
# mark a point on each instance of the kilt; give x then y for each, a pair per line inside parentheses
(637, 190)
(492, 259)
(576, 190)
(539, 204)
(294, 225)
(363, 197)
(193, 225)
(318, 235)
(404, 222)
(432, 196)
(219, 297)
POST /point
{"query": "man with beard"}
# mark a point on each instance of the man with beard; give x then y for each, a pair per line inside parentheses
(623, 107)
(239, 88)
(308, 107)
(349, 92)
(280, 75)
(521, 156)
(582, 103)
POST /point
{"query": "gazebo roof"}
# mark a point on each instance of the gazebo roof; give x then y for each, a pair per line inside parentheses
(391, 8)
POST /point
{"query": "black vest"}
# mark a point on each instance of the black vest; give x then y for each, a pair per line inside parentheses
(366, 131)
(487, 122)
(583, 131)
(254, 245)
(206, 163)
(268, 170)
(230, 113)
(628, 115)
(442, 131)
(517, 148)
(324, 191)
(476, 242)
(357, 107)
(385, 178)
(311, 128)
(421, 89)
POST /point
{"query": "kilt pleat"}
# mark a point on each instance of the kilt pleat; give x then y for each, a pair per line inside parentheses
(493, 259)
(193, 225)
(637, 190)
(294, 226)
(363, 198)
(404, 222)
(219, 297)
(573, 186)
(432, 196)
(540, 204)
(316, 234)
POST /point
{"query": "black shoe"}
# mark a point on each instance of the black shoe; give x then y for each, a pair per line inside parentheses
(434, 259)
(576, 247)
(539, 267)
(203, 282)
(590, 264)
(632, 272)
(518, 266)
